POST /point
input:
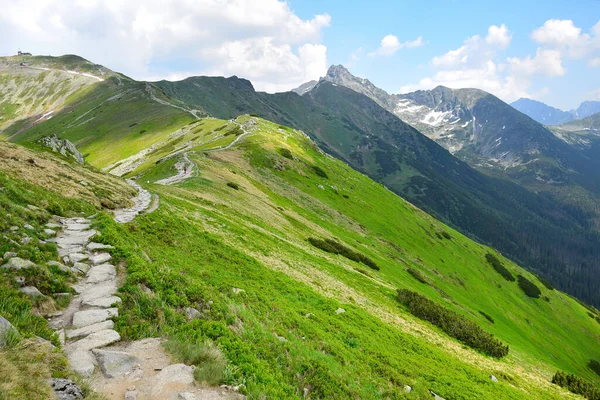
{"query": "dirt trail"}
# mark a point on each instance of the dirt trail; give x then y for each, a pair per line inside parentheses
(185, 169)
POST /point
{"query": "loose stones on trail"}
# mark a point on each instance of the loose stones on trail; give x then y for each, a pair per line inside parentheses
(89, 317)
(115, 363)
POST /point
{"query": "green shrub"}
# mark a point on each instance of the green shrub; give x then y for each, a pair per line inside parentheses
(501, 269)
(576, 385)
(417, 275)
(487, 316)
(335, 247)
(286, 153)
(237, 131)
(319, 171)
(545, 283)
(594, 366)
(233, 185)
(452, 323)
(529, 287)
(208, 359)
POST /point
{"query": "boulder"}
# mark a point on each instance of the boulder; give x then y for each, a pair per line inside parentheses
(9, 254)
(6, 328)
(90, 317)
(186, 396)
(192, 313)
(26, 240)
(62, 146)
(49, 232)
(27, 226)
(340, 311)
(82, 362)
(407, 389)
(31, 291)
(20, 280)
(131, 395)
(493, 378)
(18, 263)
(115, 363)
(65, 389)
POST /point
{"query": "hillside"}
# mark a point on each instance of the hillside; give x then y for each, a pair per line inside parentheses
(529, 228)
(291, 320)
(542, 113)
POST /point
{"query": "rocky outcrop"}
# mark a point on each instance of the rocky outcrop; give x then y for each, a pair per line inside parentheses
(62, 146)
(6, 329)
(65, 389)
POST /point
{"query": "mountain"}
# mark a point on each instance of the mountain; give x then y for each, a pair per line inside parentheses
(291, 260)
(529, 228)
(305, 87)
(542, 113)
(586, 109)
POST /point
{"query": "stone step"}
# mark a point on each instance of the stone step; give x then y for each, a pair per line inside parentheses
(100, 258)
(98, 291)
(77, 227)
(94, 340)
(88, 330)
(90, 317)
(82, 362)
(104, 302)
(93, 246)
(101, 273)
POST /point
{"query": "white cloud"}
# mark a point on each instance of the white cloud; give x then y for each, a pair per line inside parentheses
(261, 39)
(498, 35)
(474, 65)
(594, 62)
(546, 62)
(557, 32)
(390, 45)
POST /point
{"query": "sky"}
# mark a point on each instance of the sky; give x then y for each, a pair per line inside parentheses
(546, 50)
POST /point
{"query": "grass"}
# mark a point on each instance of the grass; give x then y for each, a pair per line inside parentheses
(281, 334)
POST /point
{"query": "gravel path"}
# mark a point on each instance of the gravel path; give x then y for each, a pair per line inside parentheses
(142, 202)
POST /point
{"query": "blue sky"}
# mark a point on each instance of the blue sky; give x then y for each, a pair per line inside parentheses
(548, 50)
(444, 25)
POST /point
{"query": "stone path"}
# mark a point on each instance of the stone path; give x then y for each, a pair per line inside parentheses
(185, 169)
(142, 202)
(86, 324)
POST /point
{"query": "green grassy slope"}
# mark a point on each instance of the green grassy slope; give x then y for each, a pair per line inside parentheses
(281, 334)
(530, 228)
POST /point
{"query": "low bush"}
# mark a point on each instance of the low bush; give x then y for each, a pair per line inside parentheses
(594, 366)
(208, 359)
(335, 247)
(452, 323)
(545, 283)
(417, 275)
(529, 287)
(233, 185)
(286, 153)
(501, 269)
(319, 171)
(576, 385)
(487, 316)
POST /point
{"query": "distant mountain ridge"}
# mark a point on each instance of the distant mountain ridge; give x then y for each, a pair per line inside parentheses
(542, 113)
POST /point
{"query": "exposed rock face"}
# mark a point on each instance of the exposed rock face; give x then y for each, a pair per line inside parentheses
(305, 87)
(5, 328)
(65, 389)
(62, 146)
(18, 263)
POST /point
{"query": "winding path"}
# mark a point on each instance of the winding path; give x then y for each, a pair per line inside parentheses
(185, 169)
(142, 202)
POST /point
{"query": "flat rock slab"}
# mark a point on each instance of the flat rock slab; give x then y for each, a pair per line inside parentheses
(81, 267)
(78, 257)
(49, 232)
(82, 362)
(104, 302)
(65, 250)
(95, 340)
(101, 273)
(100, 258)
(176, 377)
(90, 317)
(52, 225)
(31, 291)
(78, 227)
(72, 238)
(115, 363)
(88, 330)
(93, 246)
(98, 291)
(18, 263)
